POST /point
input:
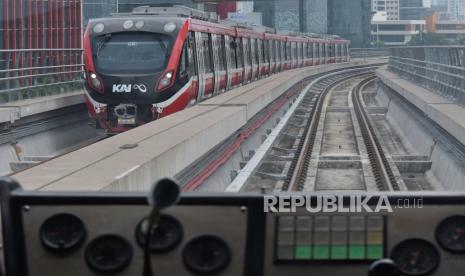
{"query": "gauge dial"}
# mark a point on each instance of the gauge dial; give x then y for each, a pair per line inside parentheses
(108, 254)
(62, 232)
(166, 236)
(450, 234)
(206, 254)
(415, 257)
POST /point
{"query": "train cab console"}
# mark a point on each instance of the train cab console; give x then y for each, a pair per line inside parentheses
(77, 233)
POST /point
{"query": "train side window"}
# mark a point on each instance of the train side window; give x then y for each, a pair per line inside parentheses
(301, 50)
(263, 49)
(294, 50)
(221, 53)
(282, 50)
(309, 50)
(259, 47)
(233, 52)
(207, 50)
(239, 52)
(272, 51)
(249, 51)
(287, 50)
(256, 50)
(184, 72)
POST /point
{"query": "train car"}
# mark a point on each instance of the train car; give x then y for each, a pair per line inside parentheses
(156, 61)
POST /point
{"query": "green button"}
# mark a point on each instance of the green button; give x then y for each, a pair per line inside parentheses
(374, 252)
(321, 252)
(303, 252)
(356, 252)
(339, 252)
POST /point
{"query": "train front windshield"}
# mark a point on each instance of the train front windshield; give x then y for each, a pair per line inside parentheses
(138, 53)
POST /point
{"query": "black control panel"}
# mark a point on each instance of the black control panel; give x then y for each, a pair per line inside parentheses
(103, 233)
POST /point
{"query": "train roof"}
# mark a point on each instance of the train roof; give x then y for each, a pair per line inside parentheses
(209, 22)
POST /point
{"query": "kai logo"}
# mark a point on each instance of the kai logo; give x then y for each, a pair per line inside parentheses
(121, 88)
(127, 88)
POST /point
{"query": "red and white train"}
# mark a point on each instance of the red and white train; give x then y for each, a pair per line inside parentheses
(159, 60)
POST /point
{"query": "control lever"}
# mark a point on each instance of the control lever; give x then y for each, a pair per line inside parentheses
(164, 193)
(383, 267)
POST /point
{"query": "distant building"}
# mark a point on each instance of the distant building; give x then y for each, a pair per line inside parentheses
(453, 10)
(396, 32)
(348, 19)
(400, 32)
(391, 7)
(413, 9)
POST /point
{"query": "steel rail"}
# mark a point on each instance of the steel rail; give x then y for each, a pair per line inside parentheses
(300, 165)
(384, 176)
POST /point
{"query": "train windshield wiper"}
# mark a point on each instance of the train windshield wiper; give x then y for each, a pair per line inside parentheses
(102, 43)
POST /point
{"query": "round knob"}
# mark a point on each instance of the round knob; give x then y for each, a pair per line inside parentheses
(383, 267)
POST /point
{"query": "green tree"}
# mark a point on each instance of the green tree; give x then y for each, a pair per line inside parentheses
(377, 44)
(423, 39)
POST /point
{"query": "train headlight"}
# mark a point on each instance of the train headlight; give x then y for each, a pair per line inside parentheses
(96, 83)
(98, 28)
(169, 27)
(139, 24)
(128, 24)
(165, 81)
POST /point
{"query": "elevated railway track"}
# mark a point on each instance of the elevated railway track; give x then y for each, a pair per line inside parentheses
(327, 142)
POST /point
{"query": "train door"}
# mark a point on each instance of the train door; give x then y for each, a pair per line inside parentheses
(209, 67)
(229, 60)
(214, 42)
(199, 52)
(315, 53)
(266, 57)
(294, 54)
(303, 53)
(326, 45)
(259, 57)
(271, 56)
(254, 61)
(278, 55)
(219, 63)
(287, 55)
(348, 51)
(297, 56)
(191, 65)
(247, 60)
(299, 53)
(240, 57)
(234, 61)
(310, 53)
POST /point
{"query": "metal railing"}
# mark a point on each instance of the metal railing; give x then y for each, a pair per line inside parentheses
(368, 52)
(30, 73)
(440, 69)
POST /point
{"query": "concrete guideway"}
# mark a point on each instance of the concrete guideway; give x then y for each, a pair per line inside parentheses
(13, 111)
(132, 160)
(435, 127)
(444, 112)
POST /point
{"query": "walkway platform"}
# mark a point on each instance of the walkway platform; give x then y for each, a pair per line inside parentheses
(131, 161)
(444, 112)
